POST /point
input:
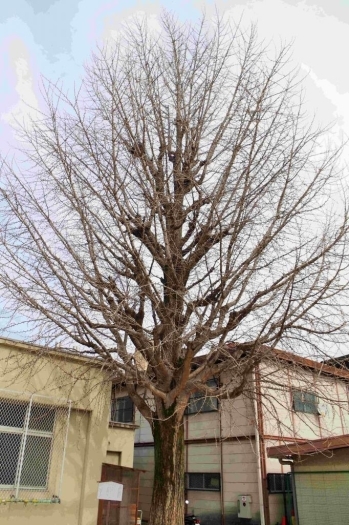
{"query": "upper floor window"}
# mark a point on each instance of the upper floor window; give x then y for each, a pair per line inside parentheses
(122, 410)
(199, 402)
(306, 402)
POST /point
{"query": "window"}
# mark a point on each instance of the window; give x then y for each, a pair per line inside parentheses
(122, 410)
(198, 402)
(278, 483)
(305, 402)
(26, 433)
(200, 481)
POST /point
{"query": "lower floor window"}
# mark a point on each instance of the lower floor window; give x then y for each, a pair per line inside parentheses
(29, 469)
(278, 483)
(26, 434)
(203, 481)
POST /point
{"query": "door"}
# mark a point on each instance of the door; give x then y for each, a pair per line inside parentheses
(120, 512)
(109, 511)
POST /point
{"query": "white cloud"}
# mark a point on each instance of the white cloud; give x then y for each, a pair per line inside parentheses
(27, 102)
(339, 100)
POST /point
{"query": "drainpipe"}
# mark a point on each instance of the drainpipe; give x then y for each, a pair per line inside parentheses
(186, 498)
(221, 461)
(82, 503)
(284, 461)
(258, 453)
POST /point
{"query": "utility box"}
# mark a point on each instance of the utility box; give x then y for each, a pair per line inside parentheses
(244, 506)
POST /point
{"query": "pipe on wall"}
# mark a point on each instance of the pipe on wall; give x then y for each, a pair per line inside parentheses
(258, 453)
(221, 467)
(285, 461)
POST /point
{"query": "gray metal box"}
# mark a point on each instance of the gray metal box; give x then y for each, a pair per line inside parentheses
(244, 506)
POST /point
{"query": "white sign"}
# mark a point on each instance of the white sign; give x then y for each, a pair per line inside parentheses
(110, 490)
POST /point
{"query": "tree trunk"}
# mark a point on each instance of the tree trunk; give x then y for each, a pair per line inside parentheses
(167, 505)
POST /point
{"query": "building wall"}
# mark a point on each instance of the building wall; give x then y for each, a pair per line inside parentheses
(120, 445)
(90, 442)
(322, 487)
(282, 424)
(278, 423)
(239, 477)
(279, 417)
(233, 456)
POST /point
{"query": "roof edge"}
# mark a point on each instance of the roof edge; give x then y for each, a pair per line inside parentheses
(313, 446)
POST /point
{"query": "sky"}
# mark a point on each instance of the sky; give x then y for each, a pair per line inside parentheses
(54, 39)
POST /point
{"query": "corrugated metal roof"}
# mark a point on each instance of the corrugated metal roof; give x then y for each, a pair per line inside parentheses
(309, 447)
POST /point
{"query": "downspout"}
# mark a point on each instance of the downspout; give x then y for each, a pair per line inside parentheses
(289, 462)
(258, 453)
(186, 436)
(85, 470)
(221, 458)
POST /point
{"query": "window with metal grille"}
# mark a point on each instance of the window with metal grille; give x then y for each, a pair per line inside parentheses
(278, 483)
(198, 402)
(122, 410)
(203, 481)
(26, 432)
(306, 402)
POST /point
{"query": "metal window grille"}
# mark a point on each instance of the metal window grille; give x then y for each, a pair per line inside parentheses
(306, 402)
(201, 403)
(33, 437)
(278, 483)
(203, 481)
(122, 410)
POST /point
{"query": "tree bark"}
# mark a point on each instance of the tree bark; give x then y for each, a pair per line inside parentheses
(168, 490)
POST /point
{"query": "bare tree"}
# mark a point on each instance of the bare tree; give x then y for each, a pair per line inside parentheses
(179, 200)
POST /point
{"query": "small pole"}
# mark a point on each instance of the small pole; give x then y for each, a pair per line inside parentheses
(169, 141)
(23, 445)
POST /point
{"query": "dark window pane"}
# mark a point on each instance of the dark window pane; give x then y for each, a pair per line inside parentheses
(202, 404)
(198, 402)
(10, 445)
(204, 481)
(278, 483)
(122, 410)
(36, 462)
(196, 481)
(305, 402)
(42, 418)
(298, 401)
(212, 481)
(310, 403)
(12, 414)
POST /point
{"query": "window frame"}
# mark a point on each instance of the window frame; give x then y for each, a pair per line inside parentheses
(304, 405)
(198, 397)
(24, 432)
(285, 482)
(204, 487)
(115, 410)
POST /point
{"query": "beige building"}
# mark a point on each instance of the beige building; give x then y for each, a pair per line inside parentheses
(229, 476)
(57, 441)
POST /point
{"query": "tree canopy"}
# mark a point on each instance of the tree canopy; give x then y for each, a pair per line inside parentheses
(179, 200)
